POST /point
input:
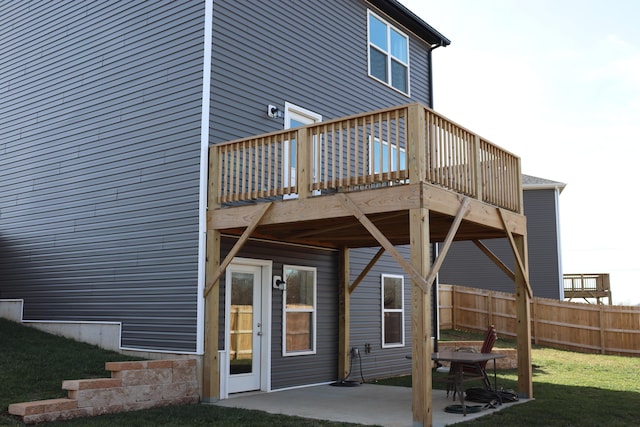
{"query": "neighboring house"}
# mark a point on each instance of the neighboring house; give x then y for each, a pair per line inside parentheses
(114, 121)
(466, 265)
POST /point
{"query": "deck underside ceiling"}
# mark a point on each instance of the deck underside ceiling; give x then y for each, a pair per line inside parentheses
(325, 222)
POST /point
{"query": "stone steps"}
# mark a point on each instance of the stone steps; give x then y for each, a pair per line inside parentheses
(132, 386)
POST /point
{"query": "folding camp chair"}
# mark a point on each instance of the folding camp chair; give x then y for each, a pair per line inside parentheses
(474, 371)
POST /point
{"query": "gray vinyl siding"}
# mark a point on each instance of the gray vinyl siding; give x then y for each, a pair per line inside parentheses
(366, 318)
(314, 57)
(465, 265)
(99, 164)
(305, 369)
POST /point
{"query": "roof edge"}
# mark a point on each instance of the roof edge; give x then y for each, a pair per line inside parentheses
(412, 21)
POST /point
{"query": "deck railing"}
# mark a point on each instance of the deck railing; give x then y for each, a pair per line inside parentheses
(587, 286)
(394, 146)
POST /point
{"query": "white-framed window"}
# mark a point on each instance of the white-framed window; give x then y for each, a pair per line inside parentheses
(379, 157)
(392, 290)
(388, 52)
(299, 310)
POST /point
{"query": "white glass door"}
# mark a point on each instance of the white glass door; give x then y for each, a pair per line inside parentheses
(245, 328)
(294, 117)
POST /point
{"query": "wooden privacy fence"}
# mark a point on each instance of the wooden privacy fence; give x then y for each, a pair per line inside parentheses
(575, 326)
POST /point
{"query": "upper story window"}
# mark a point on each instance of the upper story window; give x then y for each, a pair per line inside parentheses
(388, 54)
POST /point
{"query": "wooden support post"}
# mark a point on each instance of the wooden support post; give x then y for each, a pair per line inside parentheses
(417, 142)
(421, 319)
(210, 365)
(523, 314)
(344, 319)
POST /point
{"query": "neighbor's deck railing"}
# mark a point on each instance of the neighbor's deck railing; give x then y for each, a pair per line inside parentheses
(393, 146)
(587, 286)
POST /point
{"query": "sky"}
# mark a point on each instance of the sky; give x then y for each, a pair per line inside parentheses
(558, 84)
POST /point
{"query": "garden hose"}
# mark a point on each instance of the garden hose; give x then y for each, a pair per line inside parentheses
(457, 409)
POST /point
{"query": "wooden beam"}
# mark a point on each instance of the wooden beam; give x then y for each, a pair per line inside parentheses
(326, 230)
(523, 318)
(236, 248)
(344, 316)
(421, 320)
(210, 363)
(447, 241)
(210, 360)
(382, 200)
(516, 254)
(366, 270)
(493, 257)
(384, 242)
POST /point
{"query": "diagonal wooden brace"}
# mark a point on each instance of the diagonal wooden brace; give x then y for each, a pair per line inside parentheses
(516, 253)
(493, 257)
(384, 242)
(447, 241)
(236, 248)
(366, 270)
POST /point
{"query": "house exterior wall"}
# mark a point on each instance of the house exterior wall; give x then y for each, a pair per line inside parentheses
(99, 153)
(316, 58)
(313, 56)
(288, 371)
(366, 318)
(100, 112)
(465, 265)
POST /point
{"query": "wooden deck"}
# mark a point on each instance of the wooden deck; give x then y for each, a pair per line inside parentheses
(398, 176)
(386, 162)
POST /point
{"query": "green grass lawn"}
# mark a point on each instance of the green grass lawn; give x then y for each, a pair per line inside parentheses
(570, 389)
(33, 365)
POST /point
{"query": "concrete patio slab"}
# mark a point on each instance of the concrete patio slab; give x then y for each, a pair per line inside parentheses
(367, 404)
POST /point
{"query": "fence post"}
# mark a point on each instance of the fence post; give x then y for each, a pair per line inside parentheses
(602, 327)
(490, 307)
(454, 326)
(534, 317)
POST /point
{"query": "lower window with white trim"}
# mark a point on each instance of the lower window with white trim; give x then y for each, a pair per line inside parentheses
(299, 311)
(392, 290)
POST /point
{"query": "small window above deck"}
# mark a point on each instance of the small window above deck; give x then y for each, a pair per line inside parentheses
(388, 53)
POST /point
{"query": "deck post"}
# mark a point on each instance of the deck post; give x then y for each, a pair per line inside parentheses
(416, 143)
(210, 364)
(344, 319)
(523, 315)
(421, 319)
